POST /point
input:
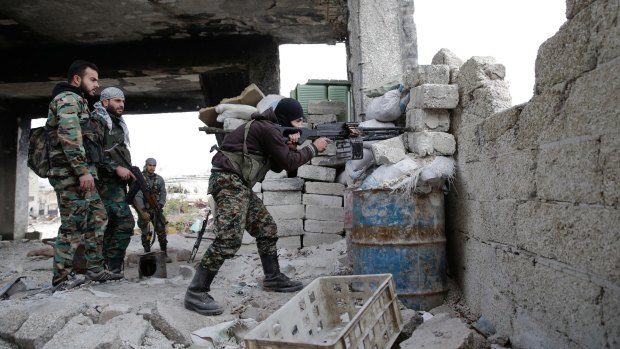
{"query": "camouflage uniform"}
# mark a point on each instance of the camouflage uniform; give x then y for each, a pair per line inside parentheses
(74, 137)
(158, 188)
(238, 208)
(113, 192)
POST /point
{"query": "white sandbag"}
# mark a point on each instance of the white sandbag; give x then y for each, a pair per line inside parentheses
(269, 101)
(387, 175)
(372, 123)
(439, 170)
(231, 124)
(237, 111)
(385, 108)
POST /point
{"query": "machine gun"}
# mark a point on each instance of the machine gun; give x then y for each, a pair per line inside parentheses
(199, 238)
(140, 185)
(344, 133)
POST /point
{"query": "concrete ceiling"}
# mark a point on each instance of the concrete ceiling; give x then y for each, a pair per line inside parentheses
(154, 48)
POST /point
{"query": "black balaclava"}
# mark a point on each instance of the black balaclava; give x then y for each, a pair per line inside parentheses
(287, 110)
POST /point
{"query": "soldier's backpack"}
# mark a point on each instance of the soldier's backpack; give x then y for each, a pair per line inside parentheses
(38, 151)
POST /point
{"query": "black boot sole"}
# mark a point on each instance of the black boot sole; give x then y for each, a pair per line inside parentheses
(283, 289)
(200, 311)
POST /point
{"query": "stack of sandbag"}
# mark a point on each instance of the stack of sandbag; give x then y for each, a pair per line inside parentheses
(233, 112)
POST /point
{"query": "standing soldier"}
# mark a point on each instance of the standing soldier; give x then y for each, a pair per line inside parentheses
(75, 152)
(148, 213)
(112, 189)
(244, 158)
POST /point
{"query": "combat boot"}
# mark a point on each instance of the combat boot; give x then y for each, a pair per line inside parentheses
(274, 280)
(103, 276)
(115, 265)
(197, 297)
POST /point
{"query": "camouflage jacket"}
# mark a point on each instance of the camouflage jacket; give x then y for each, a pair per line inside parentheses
(76, 139)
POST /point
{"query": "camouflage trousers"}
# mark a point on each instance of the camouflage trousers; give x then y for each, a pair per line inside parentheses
(120, 220)
(83, 220)
(238, 208)
(160, 230)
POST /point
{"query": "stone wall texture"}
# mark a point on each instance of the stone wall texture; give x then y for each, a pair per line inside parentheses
(533, 221)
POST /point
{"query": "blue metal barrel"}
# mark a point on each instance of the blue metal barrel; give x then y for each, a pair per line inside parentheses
(404, 236)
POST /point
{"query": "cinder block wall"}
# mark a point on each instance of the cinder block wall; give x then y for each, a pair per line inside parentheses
(533, 222)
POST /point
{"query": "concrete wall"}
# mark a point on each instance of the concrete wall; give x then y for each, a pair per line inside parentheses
(532, 220)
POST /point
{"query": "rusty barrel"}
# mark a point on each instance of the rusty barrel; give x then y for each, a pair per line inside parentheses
(403, 235)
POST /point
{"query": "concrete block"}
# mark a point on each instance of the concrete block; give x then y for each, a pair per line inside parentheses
(327, 107)
(441, 331)
(476, 72)
(317, 173)
(283, 184)
(289, 242)
(259, 196)
(437, 120)
(274, 175)
(427, 74)
(176, 323)
(316, 239)
(572, 51)
(281, 198)
(131, 328)
(515, 175)
(585, 244)
(45, 322)
(570, 171)
(433, 96)
(314, 226)
(286, 211)
(389, 151)
(79, 332)
(324, 188)
(329, 161)
(490, 97)
(447, 57)
(288, 227)
(591, 107)
(322, 200)
(430, 143)
(13, 317)
(322, 213)
(321, 119)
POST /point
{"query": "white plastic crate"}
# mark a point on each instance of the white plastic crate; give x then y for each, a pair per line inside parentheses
(335, 312)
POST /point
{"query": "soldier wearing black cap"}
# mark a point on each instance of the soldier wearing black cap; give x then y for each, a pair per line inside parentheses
(244, 158)
(158, 188)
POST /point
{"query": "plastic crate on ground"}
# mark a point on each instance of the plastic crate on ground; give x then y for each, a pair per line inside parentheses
(335, 312)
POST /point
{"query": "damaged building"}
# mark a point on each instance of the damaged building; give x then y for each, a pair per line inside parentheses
(518, 203)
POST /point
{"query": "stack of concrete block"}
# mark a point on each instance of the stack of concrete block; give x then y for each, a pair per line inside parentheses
(427, 116)
(283, 199)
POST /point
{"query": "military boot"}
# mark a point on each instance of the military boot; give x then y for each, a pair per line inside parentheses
(197, 297)
(115, 265)
(103, 276)
(274, 280)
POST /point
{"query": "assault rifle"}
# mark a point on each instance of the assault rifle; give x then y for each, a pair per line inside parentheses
(341, 132)
(199, 238)
(140, 185)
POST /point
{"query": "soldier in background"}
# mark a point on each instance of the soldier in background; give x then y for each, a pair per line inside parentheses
(112, 189)
(157, 187)
(76, 151)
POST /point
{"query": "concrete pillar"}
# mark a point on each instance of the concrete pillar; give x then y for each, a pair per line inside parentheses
(13, 177)
(376, 31)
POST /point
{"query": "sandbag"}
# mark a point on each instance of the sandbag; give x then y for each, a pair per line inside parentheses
(270, 101)
(385, 108)
(237, 111)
